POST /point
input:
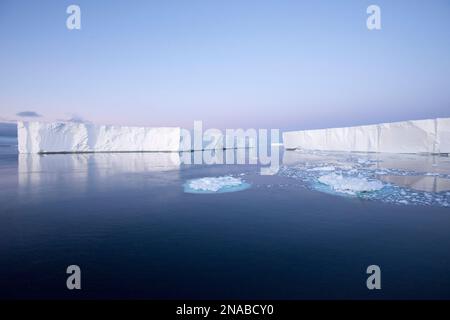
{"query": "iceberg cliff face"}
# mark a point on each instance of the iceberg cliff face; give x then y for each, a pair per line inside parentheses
(416, 136)
(39, 137)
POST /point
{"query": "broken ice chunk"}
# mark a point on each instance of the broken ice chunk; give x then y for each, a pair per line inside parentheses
(215, 185)
(350, 185)
(325, 168)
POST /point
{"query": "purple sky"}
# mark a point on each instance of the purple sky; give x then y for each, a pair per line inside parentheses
(250, 64)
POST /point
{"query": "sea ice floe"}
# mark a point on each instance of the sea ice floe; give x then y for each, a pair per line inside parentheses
(215, 185)
(350, 185)
(368, 177)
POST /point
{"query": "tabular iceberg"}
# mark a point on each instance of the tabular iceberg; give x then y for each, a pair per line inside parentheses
(39, 137)
(415, 136)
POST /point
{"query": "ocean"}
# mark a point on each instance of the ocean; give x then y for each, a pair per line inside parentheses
(127, 221)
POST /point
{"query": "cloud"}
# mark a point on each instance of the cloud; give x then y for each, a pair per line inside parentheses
(28, 114)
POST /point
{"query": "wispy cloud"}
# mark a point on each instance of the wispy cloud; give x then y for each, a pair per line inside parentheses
(28, 114)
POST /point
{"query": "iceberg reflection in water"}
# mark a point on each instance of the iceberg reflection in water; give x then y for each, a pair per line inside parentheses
(80, 170)
(106, 162)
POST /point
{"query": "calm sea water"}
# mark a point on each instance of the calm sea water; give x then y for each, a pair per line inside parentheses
(126, 221)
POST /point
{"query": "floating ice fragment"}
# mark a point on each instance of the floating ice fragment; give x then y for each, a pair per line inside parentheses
(215, 185)
(350, 185)
(363, 161)
(326, 168)
(345, 167)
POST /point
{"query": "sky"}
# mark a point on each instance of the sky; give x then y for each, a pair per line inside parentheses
(232, 64)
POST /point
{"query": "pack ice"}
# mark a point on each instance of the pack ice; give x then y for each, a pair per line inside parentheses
(39, 137)
(415, 136)
(404, 179)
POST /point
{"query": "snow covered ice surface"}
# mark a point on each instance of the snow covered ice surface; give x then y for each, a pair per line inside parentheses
(393, 178)
(215, 185)
(57, 137)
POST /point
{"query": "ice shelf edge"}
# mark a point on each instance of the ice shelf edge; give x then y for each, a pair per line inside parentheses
(414, 136)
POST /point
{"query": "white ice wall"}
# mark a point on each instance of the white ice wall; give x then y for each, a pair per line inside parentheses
(415, 136)
(443, 134)
(39, 137)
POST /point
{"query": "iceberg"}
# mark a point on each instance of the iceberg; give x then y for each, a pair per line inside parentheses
(443, 134)
(60, 137)
(71, 137)
(430, 136)
(408, 137)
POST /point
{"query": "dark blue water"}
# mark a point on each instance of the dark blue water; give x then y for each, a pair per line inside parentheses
(125, 220)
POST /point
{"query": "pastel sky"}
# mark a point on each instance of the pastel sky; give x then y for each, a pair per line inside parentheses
(235, 63)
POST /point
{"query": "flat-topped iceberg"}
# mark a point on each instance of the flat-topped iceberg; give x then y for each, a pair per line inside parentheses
(72, 137)
(39, 137)
(415, 136)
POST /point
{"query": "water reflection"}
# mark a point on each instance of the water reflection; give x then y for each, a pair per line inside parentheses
(420, 183)
(418, 172)
(82, 171)
(408, 162)
(106, 162)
